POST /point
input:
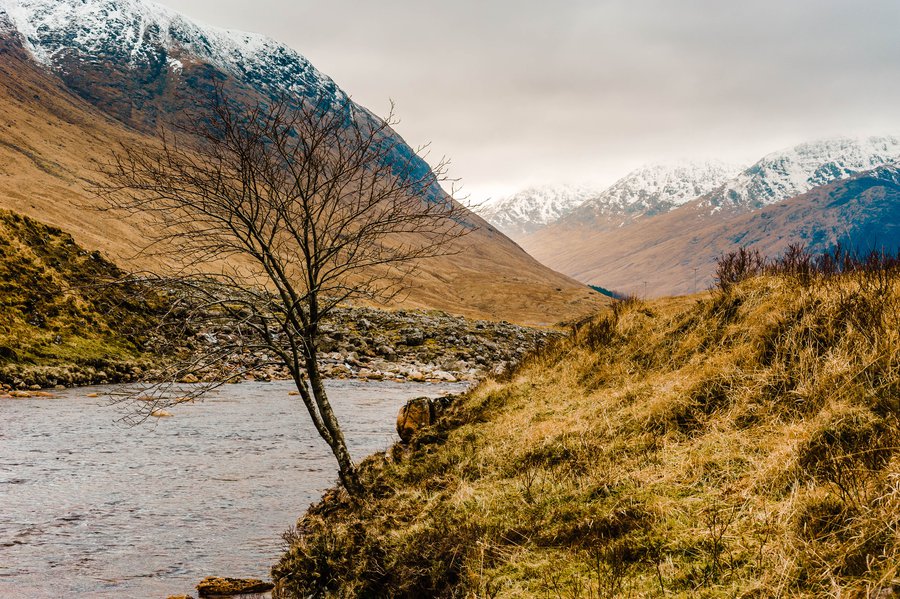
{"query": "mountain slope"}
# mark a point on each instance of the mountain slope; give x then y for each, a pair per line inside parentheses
(672, 253)
(70, 92)
(675, 253)
(102, 48)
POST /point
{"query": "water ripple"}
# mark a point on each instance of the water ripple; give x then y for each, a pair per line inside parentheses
(90, 508)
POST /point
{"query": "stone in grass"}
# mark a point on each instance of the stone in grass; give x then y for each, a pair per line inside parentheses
(216, 586)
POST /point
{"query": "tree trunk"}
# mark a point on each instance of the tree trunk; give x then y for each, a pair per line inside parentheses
(346, 468)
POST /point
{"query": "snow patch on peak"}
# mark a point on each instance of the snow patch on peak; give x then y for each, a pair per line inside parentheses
(533, 207)
(150, 33)
(791, 172)
(175, 65)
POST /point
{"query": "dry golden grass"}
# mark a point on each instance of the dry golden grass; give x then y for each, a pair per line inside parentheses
(735, 444)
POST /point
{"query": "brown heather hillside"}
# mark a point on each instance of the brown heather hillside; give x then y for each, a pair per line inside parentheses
(736, 444)
(51, 142)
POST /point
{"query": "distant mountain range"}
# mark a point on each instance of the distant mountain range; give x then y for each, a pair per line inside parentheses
(790, 172)
(654, 189)
(77, 77)
(658, 230)
(649, 190)
(534, 207)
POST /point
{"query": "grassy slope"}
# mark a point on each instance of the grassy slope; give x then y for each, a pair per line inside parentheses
(52, 311)
(743, 444)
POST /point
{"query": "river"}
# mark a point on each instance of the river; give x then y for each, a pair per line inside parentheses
(92, 508)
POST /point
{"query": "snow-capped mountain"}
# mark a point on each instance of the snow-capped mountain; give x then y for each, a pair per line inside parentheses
(676, 252)
(534, 207)
(649, 190)
(139, 61)
(151, 39)
(80, 77)
(653, 189)
(816, 193)
(794, 171)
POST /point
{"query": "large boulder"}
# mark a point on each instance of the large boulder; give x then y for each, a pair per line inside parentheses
(413, 417)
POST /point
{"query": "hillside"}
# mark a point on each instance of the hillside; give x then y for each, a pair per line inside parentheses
(675, 253)
(59, 325)
(739, 444)
(71, 92)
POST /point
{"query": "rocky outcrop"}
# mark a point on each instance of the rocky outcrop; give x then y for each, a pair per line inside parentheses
(215, 586)
(420, 413)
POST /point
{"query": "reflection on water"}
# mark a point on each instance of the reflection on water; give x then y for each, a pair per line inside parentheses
(91, 508)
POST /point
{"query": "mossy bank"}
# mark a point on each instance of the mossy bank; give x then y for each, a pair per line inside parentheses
(740, 444)
(59, 323)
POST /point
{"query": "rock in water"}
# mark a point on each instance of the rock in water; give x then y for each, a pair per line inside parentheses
(215, 586)
(413, 417)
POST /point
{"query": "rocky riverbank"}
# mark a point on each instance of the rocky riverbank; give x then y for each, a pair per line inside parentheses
(404, 345)
(364, 343)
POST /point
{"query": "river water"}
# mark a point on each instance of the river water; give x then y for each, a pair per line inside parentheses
(92, 508)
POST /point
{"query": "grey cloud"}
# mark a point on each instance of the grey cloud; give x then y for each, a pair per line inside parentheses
(520, 91)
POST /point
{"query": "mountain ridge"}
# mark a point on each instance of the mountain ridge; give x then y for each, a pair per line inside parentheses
(675, 253)
(659, 187)
(790, 172)
(652, 189)
(59, 123)
(533, 207)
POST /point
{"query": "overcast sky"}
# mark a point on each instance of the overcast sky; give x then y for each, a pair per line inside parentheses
(533, 91)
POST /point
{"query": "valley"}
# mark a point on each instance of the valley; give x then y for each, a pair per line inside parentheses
(251, 338)
(658, 231)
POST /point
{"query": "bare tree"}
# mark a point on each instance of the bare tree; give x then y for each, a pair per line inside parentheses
(270, 215)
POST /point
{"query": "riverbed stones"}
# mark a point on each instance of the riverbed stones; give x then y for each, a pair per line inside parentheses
(416, 376)
(414, 337)
(413, 417)
(443, 376)
(216, 586)
(403, 345)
